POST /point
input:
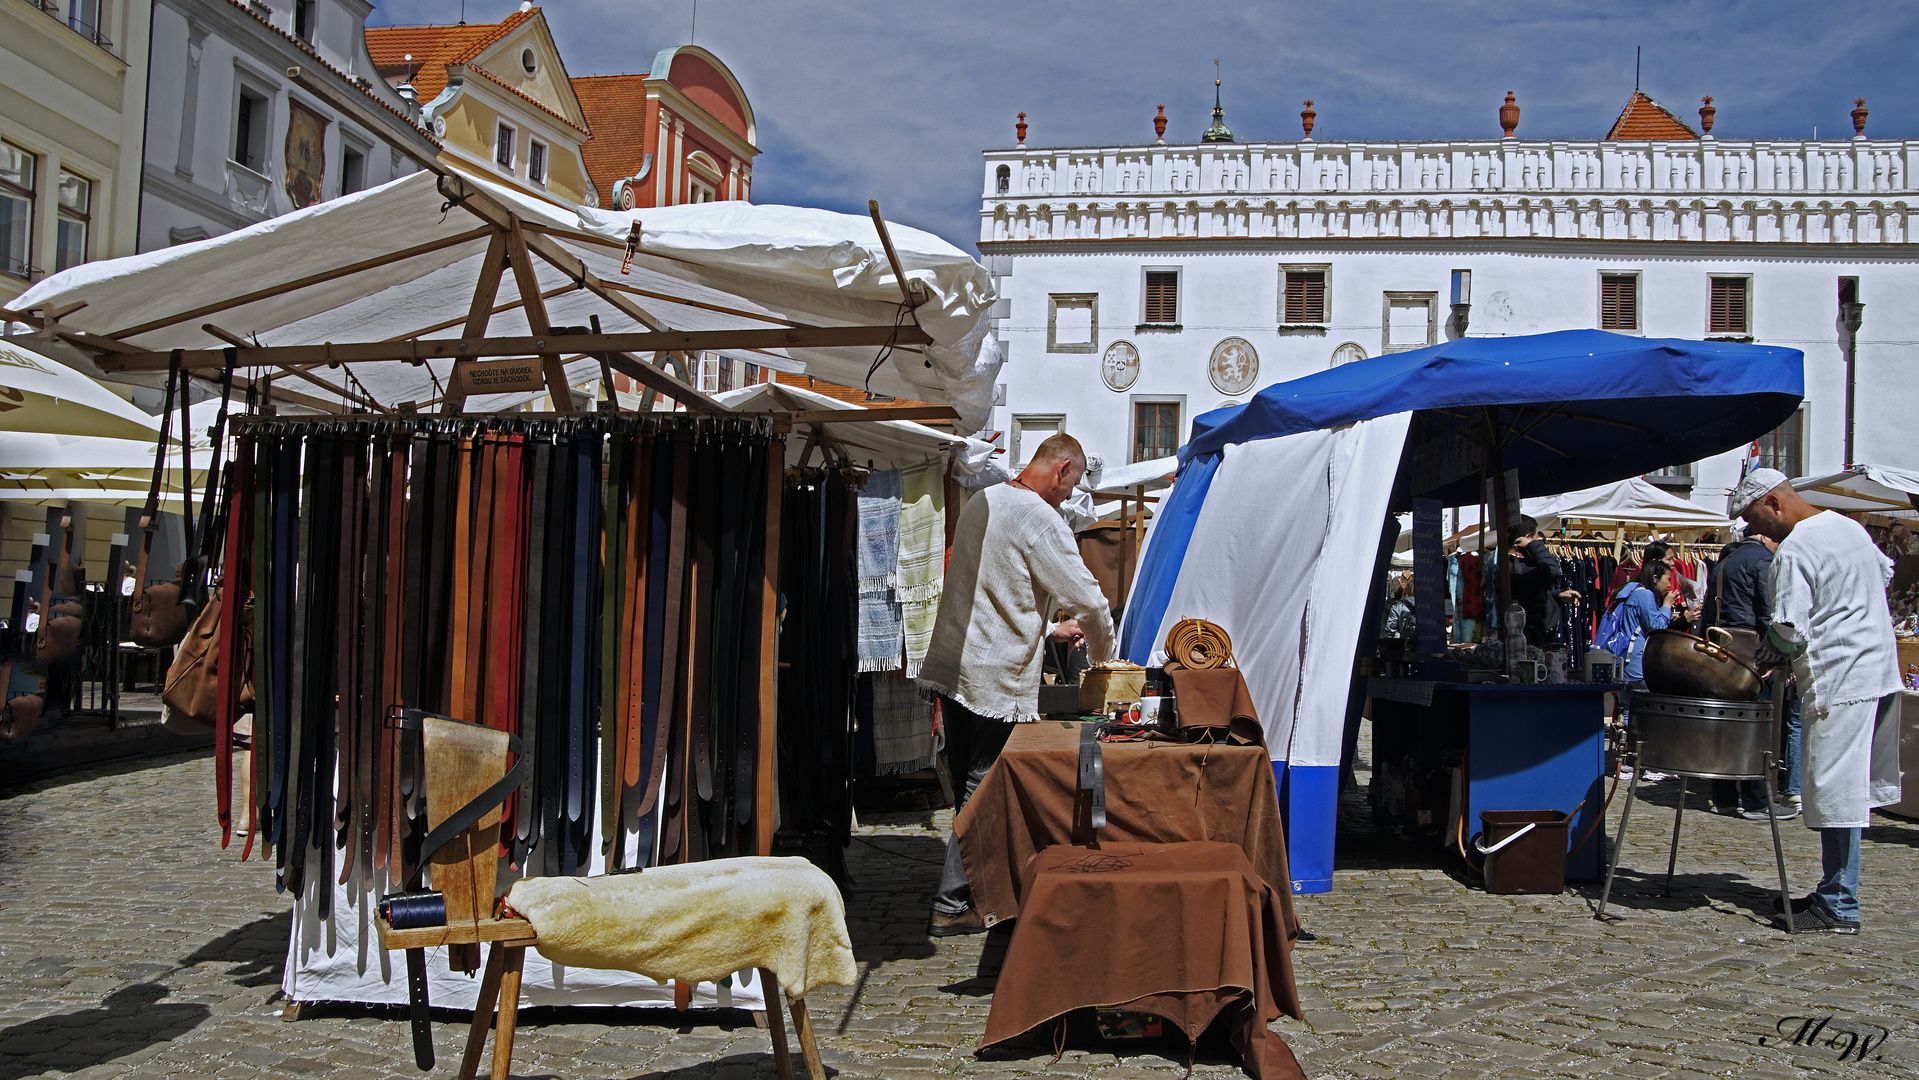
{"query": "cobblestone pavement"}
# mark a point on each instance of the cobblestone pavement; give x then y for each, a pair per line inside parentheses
(130, 945)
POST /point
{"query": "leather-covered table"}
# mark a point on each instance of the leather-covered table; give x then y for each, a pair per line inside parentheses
(1156, 792)
(1185, 931)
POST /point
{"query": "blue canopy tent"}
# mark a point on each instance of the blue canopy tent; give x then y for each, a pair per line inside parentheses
(1272, 528)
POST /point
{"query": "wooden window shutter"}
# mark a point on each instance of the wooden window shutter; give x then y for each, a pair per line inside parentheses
(1162, 296)
(1618, 302)
(1728, 314)
(1306, 296)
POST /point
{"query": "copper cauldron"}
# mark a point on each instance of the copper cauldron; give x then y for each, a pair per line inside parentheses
(1682, 665)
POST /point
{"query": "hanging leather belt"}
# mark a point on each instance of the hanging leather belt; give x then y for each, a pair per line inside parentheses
(550, 757)
(745, 774)
(396, 644)
(633, 766)
(613, 578)
(674, 683)
(235, 589)
(581, 650)
(526, 824)
(503, 628)
(352, 582)
(459, 670)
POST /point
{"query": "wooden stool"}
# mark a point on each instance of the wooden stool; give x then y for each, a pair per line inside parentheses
(461, 762)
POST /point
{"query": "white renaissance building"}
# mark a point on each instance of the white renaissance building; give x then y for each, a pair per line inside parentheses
(1142, 285)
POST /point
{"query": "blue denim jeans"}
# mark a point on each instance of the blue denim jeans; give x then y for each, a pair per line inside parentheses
(1838, 892)
(973, 743)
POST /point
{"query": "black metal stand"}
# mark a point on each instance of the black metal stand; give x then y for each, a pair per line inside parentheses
(1672, 856)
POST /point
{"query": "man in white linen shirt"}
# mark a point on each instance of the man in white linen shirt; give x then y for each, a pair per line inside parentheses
(1013, 563)
(1830, 619)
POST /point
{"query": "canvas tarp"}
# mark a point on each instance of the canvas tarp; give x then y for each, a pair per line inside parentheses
(1864, 489)
(414, 257)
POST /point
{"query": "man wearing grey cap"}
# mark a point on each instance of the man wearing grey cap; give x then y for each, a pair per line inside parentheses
(1830, 620)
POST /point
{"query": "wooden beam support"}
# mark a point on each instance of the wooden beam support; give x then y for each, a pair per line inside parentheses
(535, 308)
(823, 337)
(478, 313)
(239, 342)
(869, 415)
(914, 292)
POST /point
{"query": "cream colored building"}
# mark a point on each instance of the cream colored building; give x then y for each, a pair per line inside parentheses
(73, 91)
(497, 96)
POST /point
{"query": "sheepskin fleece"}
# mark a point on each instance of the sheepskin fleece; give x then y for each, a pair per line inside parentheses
(697, 922)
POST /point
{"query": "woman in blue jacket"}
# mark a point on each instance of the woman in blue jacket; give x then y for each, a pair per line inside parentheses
(1645, 611)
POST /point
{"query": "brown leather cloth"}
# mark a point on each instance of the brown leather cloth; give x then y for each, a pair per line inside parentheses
(1102, 547)
(1156, 792)
(1184, 931)
(1216, 698)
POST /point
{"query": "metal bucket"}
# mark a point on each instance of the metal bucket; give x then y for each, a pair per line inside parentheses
(1702, 736)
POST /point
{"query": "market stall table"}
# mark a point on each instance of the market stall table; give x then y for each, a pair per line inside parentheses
(1524, 748)
(1185, 931)
(1156, 792)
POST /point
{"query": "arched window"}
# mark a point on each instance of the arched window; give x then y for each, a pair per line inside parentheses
(703, 177)
(1005, 178)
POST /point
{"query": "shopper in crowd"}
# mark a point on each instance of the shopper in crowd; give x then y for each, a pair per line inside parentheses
(1737, 599)
(1536, 583)
(1013, 562)
(1831, 623)
(1649, 605)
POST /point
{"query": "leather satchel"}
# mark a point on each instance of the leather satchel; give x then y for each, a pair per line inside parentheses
(161, 615)
(191, 693)
(21, 715)
(59, 633)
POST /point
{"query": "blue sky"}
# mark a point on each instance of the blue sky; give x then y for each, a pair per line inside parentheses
(896, 100)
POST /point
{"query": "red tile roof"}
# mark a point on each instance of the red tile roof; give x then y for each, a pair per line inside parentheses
(615, 108)
(433, 48)
(1644, 118)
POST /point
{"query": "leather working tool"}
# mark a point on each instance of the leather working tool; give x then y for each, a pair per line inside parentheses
(1092, 773)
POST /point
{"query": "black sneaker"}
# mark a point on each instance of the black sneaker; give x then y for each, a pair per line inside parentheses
(1815, 920)
(1799, 903)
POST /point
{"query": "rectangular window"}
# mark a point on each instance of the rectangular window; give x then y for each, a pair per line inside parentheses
(76, 201)
(84, 17)
(1072, 322)
(1730, 312)
(1162, 298)
(250, 124)
(726, 372)
(352, 170)
(699, 191)
(1619, 301)
(503, 138)
(16, 210)
(1029, 430)
(1411, 320)
(536, 161)
(1304, 296)
(1785, 448)
(1155, 429)
(303, 13)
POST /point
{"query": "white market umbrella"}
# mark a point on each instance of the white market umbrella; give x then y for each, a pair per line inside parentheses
(40, 394)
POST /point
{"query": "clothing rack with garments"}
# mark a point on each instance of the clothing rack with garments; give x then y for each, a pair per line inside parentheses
(596, 585)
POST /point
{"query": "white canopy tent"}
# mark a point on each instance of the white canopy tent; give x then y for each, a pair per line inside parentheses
(1864, 489)
(885, 444)
(1634, 504)
(368, 300)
